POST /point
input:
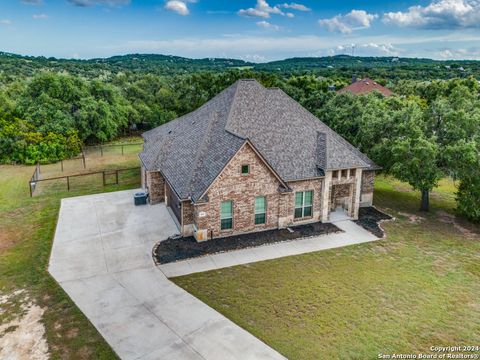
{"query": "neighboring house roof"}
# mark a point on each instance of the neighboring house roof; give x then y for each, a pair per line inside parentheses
(192, 150)
(365, 86)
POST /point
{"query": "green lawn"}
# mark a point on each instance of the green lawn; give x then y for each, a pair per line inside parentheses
(27, 226)
(417, 288)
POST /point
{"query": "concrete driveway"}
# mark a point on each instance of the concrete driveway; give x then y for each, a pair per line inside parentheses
(101, 256)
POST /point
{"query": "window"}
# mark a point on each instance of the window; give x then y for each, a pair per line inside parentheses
(344, 174)
(260, 210)
(335, 175)
(303, 204)
(245, 169)
(352, 172)
(226, 215)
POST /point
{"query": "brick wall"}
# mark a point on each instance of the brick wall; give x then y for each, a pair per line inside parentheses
(288, 202)
(156, 186)
(242, 190)
(188, 212)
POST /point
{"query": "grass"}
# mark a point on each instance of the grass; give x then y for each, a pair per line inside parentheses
(27, 227)
(418, 288)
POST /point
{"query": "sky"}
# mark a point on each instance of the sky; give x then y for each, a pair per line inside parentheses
(252, 30)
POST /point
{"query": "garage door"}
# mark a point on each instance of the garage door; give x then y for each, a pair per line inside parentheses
(174, 203)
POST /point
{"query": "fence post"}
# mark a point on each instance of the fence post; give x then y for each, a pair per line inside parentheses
(116, 177)
(83, 158)
(101, 150)
(61, 162)
(103, 172)
(122, 149)
(30, 186)
(68, 183)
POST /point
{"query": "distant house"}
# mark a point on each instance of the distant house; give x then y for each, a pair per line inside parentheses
(252, 159)
(365, 86)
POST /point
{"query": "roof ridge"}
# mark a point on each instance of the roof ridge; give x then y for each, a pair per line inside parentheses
(232, 106)
(201, 150)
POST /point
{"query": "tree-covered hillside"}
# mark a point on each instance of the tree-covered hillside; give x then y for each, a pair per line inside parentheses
(386, 68)
(49, 108)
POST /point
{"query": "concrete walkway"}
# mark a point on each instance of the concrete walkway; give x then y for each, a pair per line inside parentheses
(353, 234)
(102, 257)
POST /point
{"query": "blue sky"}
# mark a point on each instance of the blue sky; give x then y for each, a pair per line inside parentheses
(254, 30)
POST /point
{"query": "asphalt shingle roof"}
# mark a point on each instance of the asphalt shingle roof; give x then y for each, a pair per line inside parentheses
(192, 150)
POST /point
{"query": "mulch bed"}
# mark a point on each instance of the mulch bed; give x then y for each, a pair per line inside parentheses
(369, 218)
(175, 249)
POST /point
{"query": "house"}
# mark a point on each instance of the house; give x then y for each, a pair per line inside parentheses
(365, 86)
(253, 159)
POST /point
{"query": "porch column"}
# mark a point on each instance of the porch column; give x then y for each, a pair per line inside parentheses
(357, 190)
(326, 197)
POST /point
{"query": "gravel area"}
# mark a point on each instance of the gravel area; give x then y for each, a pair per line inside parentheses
(175, 249)
(369, 218)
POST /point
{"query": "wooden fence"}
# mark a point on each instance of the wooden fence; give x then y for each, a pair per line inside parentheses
(105, 174)
(34, 179)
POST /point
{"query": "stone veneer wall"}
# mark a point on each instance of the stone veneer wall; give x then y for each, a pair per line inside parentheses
(368, 182)
(155, 184)
(341, 188)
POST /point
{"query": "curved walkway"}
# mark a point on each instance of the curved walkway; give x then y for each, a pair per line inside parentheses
(101, 256)
(352, 234)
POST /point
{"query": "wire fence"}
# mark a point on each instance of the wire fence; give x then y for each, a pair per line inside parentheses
(91, 169)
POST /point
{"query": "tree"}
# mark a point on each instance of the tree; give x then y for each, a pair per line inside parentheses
(407, 152)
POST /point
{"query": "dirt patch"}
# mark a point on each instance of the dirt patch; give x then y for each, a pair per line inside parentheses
(451, 219)
(402, 189)
(370, 218)
(414, 219)
(175, 249)
(23, 335)
(71, 333)
(6, 240)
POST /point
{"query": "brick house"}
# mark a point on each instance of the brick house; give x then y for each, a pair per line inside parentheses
(253, 159)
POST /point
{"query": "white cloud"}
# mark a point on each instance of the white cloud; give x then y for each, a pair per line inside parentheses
(280, 47)
(85, 3)
(472, 53)
(345, 24)
(5, 22)
(365, 49)
(254, 58)
(40, 16)
(439, 14)
(180, 7)
(264, 10)
(295, 6)
(261, 9)
(266, 25)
